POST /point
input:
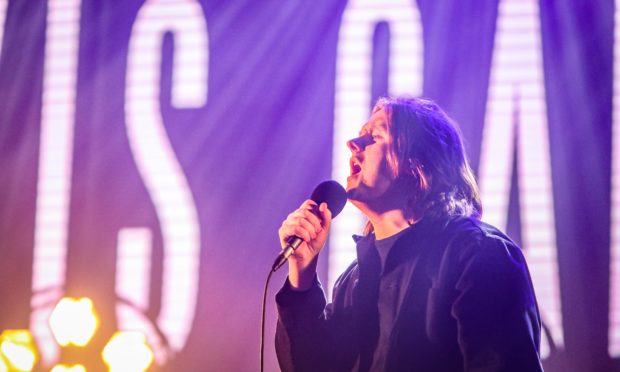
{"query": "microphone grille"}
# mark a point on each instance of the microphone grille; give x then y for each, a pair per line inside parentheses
(332, 193)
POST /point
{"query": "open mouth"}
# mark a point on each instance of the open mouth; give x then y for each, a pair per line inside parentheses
(355, 167)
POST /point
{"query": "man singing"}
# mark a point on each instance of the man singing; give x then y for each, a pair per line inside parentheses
(433, 288)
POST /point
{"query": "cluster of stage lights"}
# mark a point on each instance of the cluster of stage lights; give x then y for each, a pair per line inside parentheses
(73, 323)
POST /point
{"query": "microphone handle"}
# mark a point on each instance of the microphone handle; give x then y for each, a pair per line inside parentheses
(292, 243)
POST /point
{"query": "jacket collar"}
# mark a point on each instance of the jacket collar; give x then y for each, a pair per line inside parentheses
(404, 248)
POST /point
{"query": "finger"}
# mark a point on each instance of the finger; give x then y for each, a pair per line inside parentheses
(294, 228)
(309, 226)
(326, 215)
(303, 235)
(306, 206)
(311, 216)
(309, 204)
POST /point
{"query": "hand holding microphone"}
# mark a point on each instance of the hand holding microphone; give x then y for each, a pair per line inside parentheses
(304, 232)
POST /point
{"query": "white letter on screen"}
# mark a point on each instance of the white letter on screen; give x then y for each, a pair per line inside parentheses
(352, 100)
(55, 163)
(614, 287)
(516, 102)
(3, 6)
(157, 164)
(133, 281)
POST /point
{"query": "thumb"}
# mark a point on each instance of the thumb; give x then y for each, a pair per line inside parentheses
(326, 216)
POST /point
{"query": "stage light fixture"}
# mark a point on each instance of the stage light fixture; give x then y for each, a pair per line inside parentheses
(74, 321)
(127, 351)
(67, 368)
(3, 366)
(18, 350)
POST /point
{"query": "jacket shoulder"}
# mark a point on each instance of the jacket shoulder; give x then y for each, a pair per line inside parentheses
(472, 228)
(471, 243)
(471, 236)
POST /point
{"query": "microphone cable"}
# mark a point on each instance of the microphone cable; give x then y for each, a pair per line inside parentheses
(262, 322)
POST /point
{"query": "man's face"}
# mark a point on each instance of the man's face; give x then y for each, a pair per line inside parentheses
(370, 175)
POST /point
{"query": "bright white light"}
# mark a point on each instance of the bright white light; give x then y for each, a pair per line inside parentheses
(17, 350)
(133, 267)
(352, 97)
(614, 287)
(55, 160)
(21, 358)
(73, 321)
(155, 158)
(127, 351)
(516, 102)
(68, 368)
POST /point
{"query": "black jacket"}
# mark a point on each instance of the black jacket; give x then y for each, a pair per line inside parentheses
(464, 302)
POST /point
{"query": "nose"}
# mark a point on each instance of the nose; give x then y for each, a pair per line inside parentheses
(356, 144)
(353, 145)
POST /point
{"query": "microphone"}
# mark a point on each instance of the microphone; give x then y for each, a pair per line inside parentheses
(329, 192)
